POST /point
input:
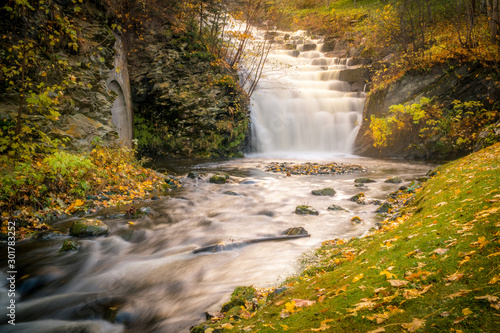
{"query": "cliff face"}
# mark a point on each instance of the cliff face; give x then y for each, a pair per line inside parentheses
(85, 102)
(444, 84)
(186, 102)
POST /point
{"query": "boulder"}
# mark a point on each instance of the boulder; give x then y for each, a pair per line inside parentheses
(394, 180)
(306, 210)
(336, 208)
(384, 208)
(358, 198)
(363, 180)
(295, 231)
(219, 178)
(193, 175)
(69, 245)
(328, 191)
(88, 228)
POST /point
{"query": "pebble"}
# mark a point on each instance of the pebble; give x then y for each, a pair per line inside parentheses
(314, 168)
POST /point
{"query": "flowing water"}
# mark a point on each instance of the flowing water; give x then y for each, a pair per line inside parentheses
(300, 105)
(144, 277)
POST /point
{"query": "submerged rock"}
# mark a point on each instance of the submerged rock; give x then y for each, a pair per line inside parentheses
(384, 208)
(219, 178)
(330, 192)
(394, 180)
(69, 245)
(358, 198)
(193, 175)
(363, 180)
(335, 207)
(88, 228)
(295, 231)
(306, 210)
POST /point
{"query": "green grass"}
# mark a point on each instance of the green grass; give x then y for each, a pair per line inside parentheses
(444, 252)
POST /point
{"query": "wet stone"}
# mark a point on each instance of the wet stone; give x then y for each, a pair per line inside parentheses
(314, 168)
(295, 231)
(363, 180)
(231, 193)
(330, 192)
(69, 245)
(306, 210)
(336, 208)
(193, 175)
(219, 178)
(394, 180)
(88, 228)
(384, 208)
(358, 198)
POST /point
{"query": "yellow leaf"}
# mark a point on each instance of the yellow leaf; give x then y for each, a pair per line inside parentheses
(290, 306)
(494, 254)
(482, 242)
(285, 327)
(415, 325)
(323, 326)
(466, 311)
(209, 330)
(454, 277)
(388, 274)
(494, 279)
(357, 277)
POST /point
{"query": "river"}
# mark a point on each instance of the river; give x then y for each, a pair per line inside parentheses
(144, 277)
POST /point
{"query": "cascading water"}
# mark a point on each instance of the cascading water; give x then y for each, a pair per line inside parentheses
(301, 106)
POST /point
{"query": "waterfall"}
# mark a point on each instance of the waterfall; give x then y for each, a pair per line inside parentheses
(300, 106)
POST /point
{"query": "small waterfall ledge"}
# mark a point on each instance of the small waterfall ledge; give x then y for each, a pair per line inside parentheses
(307, 102)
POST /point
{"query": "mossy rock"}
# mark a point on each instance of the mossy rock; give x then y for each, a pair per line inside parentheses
(69, 245)
(236, 302)
(88, 228)
(336, 208)
(363, 180)
(384, 208)
(394, 180)
(193, 175)
(295, 231)
(328, 191)
(306, 210)
(238, 298)
(358, 198)
(219, 178)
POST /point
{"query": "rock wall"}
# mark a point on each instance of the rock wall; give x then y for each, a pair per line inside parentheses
(445, 84)
(186, 103)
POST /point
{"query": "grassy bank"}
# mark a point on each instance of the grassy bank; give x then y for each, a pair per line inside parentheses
(33, 192)
(434, 268)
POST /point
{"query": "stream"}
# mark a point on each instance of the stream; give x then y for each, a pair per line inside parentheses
(144, 277)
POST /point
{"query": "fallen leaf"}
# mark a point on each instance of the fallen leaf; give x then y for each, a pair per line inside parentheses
(388, 274)
(415, 325)
(494, 254)
(285, 327)
(454, 277)
(458, 320)
(300, 303)
(378, 330)
(466, 311)
(357, 277)
(440, 251)
(494, 279)
(323, 326)
(488, 297)
(398, 283)
(227, 326)
(459, 294)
